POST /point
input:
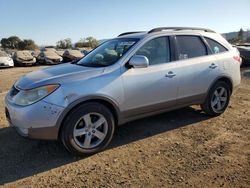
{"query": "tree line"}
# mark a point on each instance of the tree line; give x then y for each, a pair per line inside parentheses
(240, 38)
(89, 42)
(15, 42)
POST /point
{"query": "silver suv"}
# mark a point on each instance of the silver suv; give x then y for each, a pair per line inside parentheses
(135, 75)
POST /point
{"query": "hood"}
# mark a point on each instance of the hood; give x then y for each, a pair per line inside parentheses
(5, 59)
(57, 74)
(24, 58)
(53, 57)
(24, 55)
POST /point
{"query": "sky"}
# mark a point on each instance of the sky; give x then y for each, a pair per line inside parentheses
(47, 21)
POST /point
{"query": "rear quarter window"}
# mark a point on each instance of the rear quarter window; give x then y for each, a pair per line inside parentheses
(215, 46)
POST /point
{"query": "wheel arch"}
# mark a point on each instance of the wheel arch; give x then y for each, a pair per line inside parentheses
(225, 79)
(109, 103)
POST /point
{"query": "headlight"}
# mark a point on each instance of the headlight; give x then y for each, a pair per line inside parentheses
(27, 97)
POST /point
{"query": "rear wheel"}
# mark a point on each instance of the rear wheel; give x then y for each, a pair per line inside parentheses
(217, 99)
(88, 129)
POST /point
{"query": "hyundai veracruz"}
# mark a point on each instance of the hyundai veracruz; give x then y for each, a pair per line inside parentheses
(135, 75)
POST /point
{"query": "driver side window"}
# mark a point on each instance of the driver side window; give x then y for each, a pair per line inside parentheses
(157, 51)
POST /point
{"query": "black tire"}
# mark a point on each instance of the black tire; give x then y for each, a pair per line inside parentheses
(16, 64)
(71, 120)
(207, 105)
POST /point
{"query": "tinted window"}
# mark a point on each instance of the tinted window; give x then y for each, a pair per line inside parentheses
(215, 46)
(190, 46)
(157, 50)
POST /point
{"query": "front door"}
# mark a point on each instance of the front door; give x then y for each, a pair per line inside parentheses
(152, 88)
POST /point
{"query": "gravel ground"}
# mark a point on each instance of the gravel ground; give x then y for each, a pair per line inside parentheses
(183, 148)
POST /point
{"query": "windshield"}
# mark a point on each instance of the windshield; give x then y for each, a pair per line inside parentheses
(108, 53)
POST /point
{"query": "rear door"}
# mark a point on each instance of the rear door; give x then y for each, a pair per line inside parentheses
(196, 68)
(221, 54)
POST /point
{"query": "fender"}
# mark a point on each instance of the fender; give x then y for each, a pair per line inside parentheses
(220, 78)
(79, 101)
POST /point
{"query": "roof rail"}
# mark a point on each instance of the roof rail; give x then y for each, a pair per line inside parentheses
(128, 33)
(180, 28)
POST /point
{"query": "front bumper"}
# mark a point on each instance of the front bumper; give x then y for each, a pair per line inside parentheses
(52, 61)
(34, 121)
(3, 64)
(26, 62)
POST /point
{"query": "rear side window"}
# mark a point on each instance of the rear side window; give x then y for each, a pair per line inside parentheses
(215, 46)
(157, 51)
(190, 46)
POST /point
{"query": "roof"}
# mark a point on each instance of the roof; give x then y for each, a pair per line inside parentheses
(177, 31)
(49, 49)
(165, 30)
(134, 35)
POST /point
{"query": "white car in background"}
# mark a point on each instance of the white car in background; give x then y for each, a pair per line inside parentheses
(5, 60)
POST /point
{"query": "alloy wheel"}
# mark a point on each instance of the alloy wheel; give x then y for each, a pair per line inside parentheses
(219, 99)
(90, 130)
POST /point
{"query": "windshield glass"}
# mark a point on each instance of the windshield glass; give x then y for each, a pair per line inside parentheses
(108, 53)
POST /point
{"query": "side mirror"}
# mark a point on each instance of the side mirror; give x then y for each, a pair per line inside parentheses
(139, 61)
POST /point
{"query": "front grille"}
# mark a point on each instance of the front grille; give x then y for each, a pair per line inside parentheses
(56, 60)
(14, 91)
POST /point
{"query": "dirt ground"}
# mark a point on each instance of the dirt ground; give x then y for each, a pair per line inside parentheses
(183, 148)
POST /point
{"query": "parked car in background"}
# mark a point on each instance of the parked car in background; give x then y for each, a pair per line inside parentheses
(35, 53)
(49, 49)
(60, 52)
(72, 55)
(24, 58)
(49, 57)
(85, 52)
(244, 50)
(135, 75)
(5, 60)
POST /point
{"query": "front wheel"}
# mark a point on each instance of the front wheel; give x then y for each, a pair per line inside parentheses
(88, 129)
(217, 99)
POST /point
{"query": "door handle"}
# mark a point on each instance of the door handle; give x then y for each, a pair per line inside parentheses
(170, 74)
(213, 66)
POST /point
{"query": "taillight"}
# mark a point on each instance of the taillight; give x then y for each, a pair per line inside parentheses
(237, 58)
